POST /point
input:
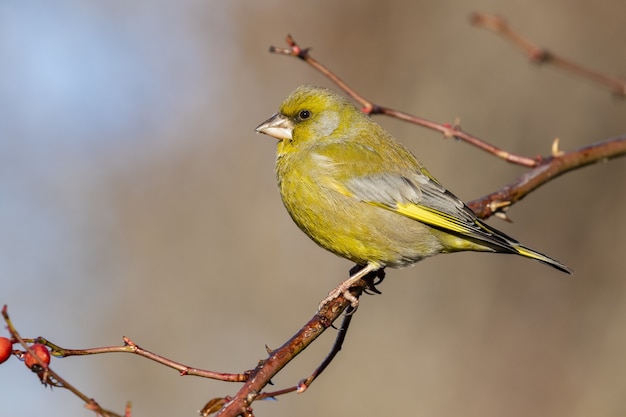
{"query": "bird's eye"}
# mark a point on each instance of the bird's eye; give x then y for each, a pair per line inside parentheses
(304, 114)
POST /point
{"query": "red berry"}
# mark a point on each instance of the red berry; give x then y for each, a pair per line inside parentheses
(41, 351)
(6, 347)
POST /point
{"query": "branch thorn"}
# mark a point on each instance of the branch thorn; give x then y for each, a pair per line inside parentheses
(555, 148)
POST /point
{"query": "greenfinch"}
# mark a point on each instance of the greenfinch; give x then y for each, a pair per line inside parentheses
(358, 193)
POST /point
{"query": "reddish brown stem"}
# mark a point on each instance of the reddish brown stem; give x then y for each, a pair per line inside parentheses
(541, 55)
(260, 377)
(549, 169)
(131, 347)
(306, 383)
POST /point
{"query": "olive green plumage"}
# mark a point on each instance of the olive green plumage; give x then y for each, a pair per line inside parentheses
(360, 194)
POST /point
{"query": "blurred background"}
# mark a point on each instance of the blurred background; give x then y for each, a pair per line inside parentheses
(136, 200)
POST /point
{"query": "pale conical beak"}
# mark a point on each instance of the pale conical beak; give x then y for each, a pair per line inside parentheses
(277, 126)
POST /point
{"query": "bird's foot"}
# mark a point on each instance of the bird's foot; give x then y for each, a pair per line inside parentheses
(342, 289)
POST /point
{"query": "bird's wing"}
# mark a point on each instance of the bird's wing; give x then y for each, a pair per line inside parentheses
(420, 198)
(408, 190)
(415, 196)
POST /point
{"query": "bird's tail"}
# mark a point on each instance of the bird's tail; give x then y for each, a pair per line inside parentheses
(529, 253)
(500, 242)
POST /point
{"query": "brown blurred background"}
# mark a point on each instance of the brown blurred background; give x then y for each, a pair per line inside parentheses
(136, 200)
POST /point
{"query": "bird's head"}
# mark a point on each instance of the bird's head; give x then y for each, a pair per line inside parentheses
(310, 114)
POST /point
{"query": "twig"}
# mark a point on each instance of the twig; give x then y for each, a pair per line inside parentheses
(131, 347)
(540, 55)
(549, 169)
(255, 380)
(53, 378)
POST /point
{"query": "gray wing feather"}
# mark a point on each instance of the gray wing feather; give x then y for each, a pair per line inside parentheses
(391, 189)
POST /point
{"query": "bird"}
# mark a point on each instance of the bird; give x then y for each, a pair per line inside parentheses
(360, 194)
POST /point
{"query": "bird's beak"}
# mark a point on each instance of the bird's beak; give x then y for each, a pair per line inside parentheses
(277, 126)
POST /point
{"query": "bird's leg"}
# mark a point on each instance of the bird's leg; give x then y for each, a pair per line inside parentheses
(344, 287)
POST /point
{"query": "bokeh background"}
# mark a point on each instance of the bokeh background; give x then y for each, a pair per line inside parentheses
(136, 200)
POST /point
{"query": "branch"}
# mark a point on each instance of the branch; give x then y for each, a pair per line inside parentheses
(255, 380)
(547, 170)
(277, 359)
(540, 55)
(131, 347)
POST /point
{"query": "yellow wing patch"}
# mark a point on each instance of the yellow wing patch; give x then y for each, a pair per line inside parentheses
(431, 217)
